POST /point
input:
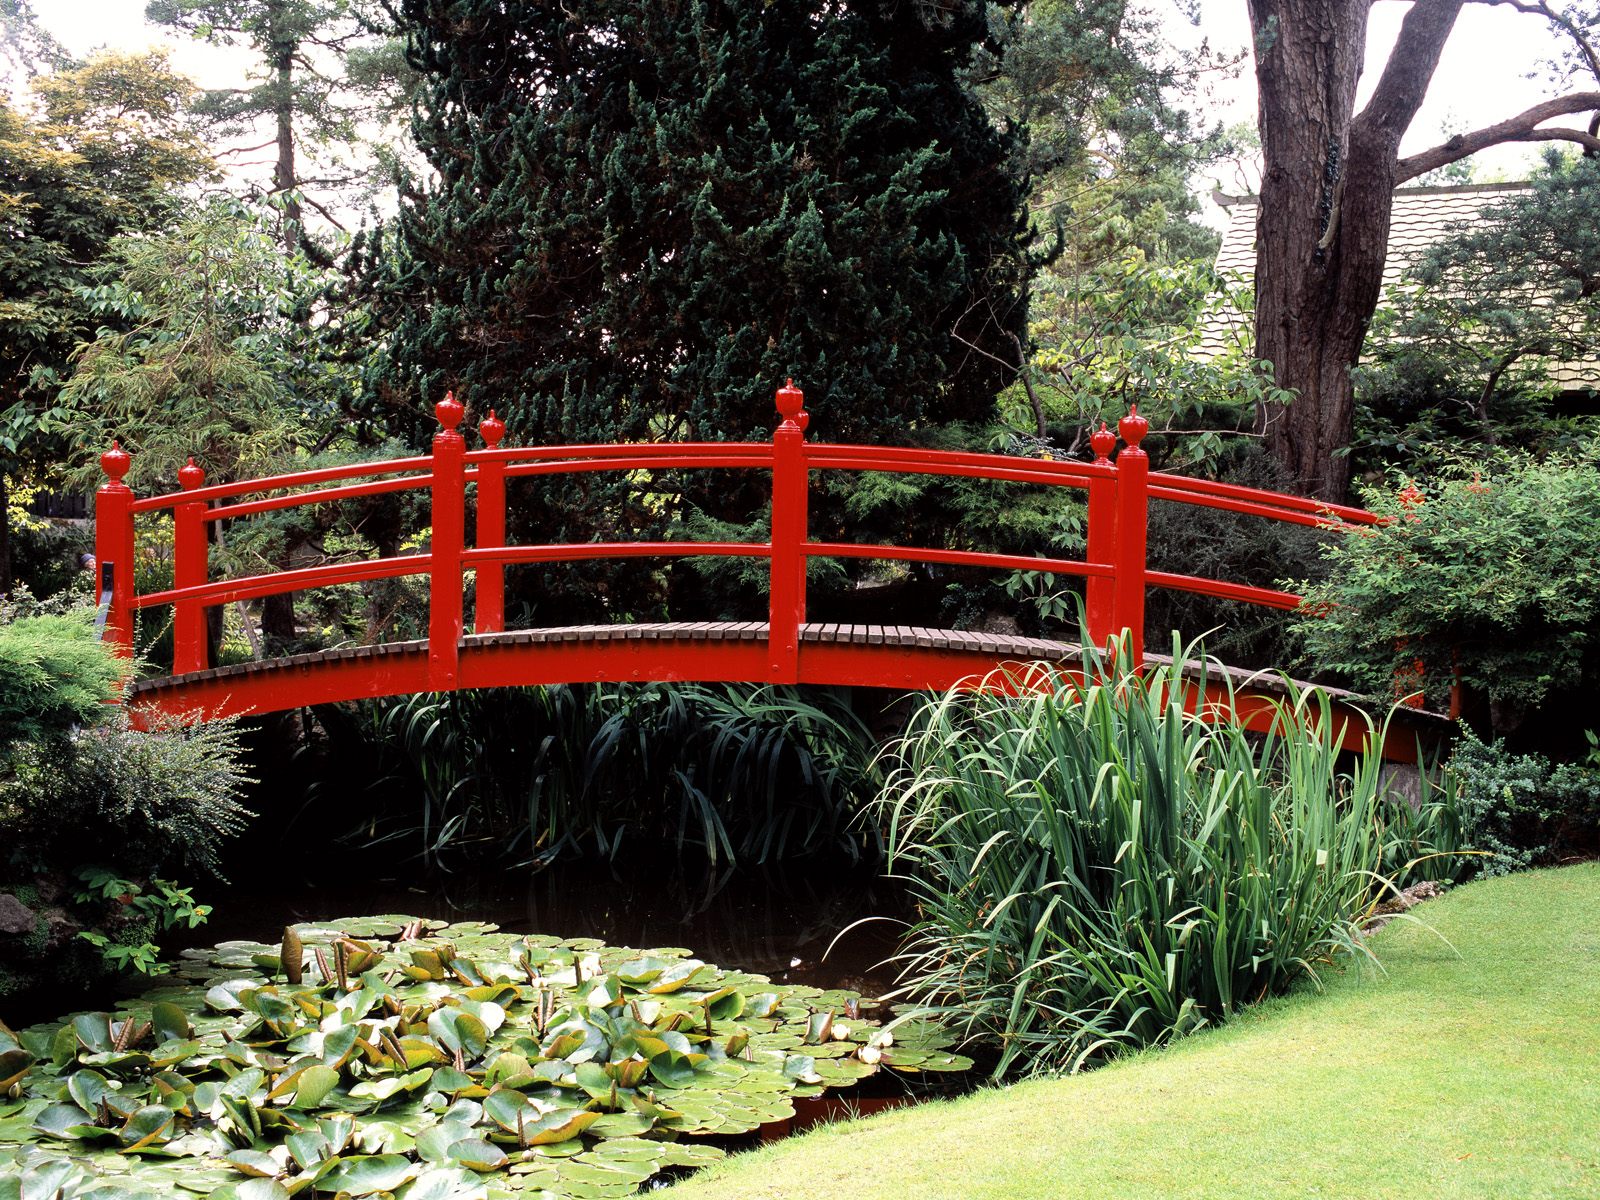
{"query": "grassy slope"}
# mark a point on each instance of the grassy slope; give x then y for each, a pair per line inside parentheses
(1471, 1076)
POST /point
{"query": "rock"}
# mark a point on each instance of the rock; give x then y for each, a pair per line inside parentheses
(15, 916)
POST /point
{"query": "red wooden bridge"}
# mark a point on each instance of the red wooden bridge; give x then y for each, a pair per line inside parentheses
(785, 648)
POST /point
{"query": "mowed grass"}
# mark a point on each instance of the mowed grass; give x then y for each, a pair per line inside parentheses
(1464, 1072)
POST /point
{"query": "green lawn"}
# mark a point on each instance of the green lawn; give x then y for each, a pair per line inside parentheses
(1472, 1072)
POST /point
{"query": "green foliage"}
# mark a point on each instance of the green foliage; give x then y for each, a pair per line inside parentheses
(1491, 575)
(97, 152)
(207, 349)
(1116, 333)
(55, 673)
(1098, 867)
(1521, 810)
(759, 774)
(1467, 348)
(327, 75)
(402, 1056)
(674, 208)
(163, 904)
(141, 803)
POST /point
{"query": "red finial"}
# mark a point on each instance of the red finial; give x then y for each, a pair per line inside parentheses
(491, 429)
(190, 476)
(116, 461)
(1133, 427)
(791, 405)
(449, 411)
(1104, 442)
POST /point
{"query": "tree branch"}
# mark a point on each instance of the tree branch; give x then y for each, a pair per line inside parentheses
(1524, 127)
(1404, 82)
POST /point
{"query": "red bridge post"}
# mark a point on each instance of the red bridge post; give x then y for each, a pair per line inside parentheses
(189, 569)
(1099, 600)
(113, 548)
(447, 542)
(1133, 514)
(489, 605)
(786, 590)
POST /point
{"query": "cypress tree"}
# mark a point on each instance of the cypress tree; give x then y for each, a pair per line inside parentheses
(647, 214)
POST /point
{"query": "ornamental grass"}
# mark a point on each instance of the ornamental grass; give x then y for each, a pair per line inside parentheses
(1106, 861)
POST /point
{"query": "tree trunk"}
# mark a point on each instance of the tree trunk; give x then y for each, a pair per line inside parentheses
(1322, 226)
(284, 177)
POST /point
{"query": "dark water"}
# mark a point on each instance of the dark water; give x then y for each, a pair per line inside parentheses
(780, 923)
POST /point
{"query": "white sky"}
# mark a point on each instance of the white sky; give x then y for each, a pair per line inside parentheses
(1482, 78)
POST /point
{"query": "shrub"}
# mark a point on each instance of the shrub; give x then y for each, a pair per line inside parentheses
(1491, 574)
(149, 802)
(1520, 809)
(54, 674)
(1097, 867)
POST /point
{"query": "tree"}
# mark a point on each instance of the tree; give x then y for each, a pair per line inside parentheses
(1327, 186)
(648, 215)
(210, 350)
(101, 150)
(329, 80)
(1465, 350)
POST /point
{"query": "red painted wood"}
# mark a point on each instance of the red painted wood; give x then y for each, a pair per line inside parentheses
(489, 582)
(189, 557)
(786, 593)
(1114, 566)
(247, 487)
(1099, 592)
(960, 558)
(445, 546)
(1128, 552)
(114, 548)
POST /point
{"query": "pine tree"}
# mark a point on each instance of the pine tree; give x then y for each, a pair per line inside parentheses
(646, 215)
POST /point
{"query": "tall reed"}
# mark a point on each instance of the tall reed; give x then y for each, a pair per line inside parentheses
(733, 773)
(1101, 862)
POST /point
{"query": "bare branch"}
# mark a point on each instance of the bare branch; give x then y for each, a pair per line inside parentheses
(1524, 127)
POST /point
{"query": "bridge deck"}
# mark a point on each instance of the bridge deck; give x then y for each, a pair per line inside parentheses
(887, 656)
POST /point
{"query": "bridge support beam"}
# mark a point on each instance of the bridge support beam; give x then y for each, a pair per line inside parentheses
(1132, 530)
(113, 550)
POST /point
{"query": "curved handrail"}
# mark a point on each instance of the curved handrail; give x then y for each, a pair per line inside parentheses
(224, 491)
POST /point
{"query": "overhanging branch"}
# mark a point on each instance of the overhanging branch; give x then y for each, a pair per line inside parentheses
(1524, 127)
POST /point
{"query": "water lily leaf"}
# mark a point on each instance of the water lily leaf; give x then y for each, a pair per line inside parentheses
(801, 1067)
(224, 997)
(364, 1175)
(151, 1124)
(459, 1031)
(254, 1163)
(87, 1089)
(69, 1122)
(762, 1004)
(478, 1155)
(595, 1079)
(623, 1124)
(312, 1086)
(391, 1085)
(14, 1064)
(559, 1126)
(640, 970)
(509, 1070)
(675, 977)
(261, 1189)
(340, 1045)
(444, 1184)
(511, 1110)
(672, 1070)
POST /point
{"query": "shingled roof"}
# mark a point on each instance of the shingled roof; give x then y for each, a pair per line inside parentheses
(1420, 217)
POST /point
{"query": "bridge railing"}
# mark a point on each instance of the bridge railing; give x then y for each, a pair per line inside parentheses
(1114, 567)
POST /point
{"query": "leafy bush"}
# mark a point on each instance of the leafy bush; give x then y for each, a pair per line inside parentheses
(1492, 574)
(1521, 809)
(54, 673)
(1098, 867)
(144, 802)
(760, 773)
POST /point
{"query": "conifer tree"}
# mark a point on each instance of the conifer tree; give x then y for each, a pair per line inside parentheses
(647, 214)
